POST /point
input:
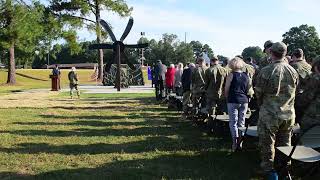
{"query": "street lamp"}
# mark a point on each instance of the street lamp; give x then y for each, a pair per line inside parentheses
(48, 51)
(142, 50)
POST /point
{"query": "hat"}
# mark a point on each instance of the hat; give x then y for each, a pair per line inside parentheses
(279, 48)
(267, 45)
(240, 56)
(298, 53)
(214, 57)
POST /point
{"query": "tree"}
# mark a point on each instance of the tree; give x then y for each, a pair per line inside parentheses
(81, 10)
(197, 48)
(224, 60)
(253, 51)
(208, 49)
(20, 28)
(304, 37)
(184, 53)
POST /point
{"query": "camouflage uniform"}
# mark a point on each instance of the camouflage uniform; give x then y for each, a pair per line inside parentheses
(250, 71)
(73, 82)
(275, 90)
(265, 61)
(310, 102)
(310, 99)
(304, 70)
(214, 77)
(198, 84)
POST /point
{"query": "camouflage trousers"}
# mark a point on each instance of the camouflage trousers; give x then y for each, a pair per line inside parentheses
(211, 106)
(74, 86)
(272, 132)
(196, 101)
(186, 100)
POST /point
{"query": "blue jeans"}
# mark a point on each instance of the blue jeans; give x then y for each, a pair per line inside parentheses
(237, 117)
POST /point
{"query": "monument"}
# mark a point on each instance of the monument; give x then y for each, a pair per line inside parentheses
(118, 49)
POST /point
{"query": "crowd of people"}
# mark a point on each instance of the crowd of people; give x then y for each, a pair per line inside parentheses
(284, 89)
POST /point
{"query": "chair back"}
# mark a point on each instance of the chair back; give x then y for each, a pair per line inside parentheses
(311, 138)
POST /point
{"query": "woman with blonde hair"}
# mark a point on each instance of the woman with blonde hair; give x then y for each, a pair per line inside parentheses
(236, 92)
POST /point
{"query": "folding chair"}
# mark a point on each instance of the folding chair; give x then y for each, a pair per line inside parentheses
(304, 153)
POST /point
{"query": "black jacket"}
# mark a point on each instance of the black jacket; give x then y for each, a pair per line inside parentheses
(186, 79)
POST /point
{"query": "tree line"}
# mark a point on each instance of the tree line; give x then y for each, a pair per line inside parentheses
(28, 30)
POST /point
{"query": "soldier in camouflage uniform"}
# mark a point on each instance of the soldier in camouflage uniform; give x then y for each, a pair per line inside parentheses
(73, 82)
(198, 82)
(304, 71)
(310, 98)
(214, 78)
(266, 60)
(275, 90)
(302, 67)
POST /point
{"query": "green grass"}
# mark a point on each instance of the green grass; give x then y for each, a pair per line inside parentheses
(126, 136)
(39, 79)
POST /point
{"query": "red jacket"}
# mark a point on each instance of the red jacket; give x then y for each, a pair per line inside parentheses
(170, 77)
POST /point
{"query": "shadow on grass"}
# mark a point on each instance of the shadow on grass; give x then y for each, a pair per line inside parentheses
(151, 144)
(84, 132)
(94, 123)
(30, 77)
(206, 165)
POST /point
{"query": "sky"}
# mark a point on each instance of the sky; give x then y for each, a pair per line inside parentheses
(228, 26)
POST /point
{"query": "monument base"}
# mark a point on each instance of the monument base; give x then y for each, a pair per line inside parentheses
(128, 76)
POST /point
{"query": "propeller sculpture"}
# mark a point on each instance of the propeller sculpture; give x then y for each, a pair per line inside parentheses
(117, 47)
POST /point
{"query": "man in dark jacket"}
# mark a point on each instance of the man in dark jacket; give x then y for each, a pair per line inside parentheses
(186, 85)
(159, 79)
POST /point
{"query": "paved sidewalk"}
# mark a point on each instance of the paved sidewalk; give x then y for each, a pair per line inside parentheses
(92, 89)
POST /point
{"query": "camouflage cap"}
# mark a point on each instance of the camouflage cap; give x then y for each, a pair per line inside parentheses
(214, 57)
(240, 56)
(279, 48)
(298, 53)
(267, 45)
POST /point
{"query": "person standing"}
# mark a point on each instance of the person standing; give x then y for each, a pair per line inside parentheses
(170, 78)
(159, 79)
(56, 72)
(266, 60)
(302, 67)
(186, 86)
(304, 71)
(275, 91)
(73, 82)
(215, 77)
(198, 83)
(309, 100)
(177, 79)
(236, 91)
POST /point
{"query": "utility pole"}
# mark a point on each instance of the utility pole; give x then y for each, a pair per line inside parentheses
(185, 37)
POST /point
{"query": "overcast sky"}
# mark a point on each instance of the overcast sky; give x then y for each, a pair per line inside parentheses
(228, 26)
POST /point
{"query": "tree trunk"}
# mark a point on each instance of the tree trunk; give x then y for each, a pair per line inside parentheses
(100, 51)
(11, 66)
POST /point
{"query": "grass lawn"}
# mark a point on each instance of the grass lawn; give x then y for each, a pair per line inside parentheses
(127, 136)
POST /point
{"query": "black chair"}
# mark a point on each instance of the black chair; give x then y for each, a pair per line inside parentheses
(303, 151)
